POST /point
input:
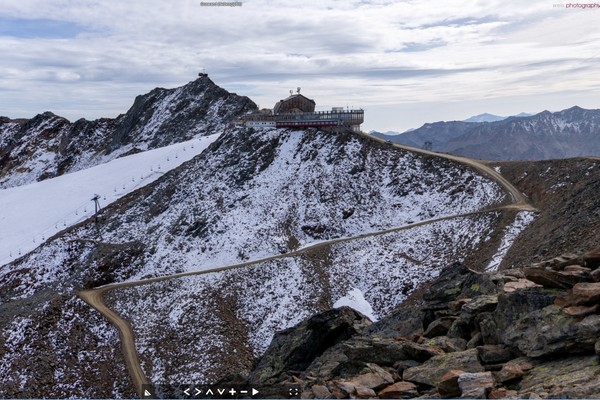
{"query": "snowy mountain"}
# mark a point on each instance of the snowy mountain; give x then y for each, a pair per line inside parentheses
(568, 133)
(485, 117)
(48, 145)
(32, 213)
(357, 218)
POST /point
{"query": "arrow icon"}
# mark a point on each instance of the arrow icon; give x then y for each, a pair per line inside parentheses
(147, 393)
(209, 391)
(187, 391)
(199, 392)
(221, 391)
(254, 392)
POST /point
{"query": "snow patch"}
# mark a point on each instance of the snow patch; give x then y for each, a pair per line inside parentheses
(356, 300)
(522, 220)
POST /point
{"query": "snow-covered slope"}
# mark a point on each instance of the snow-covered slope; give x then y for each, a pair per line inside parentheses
(250, 194)
(48, 145)
(201, 328)
(32, 213)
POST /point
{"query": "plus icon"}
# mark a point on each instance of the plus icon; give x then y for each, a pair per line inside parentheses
(232, 392)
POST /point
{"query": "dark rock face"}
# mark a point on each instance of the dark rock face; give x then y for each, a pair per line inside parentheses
(523, 341)
(295, 348)
(48, 145)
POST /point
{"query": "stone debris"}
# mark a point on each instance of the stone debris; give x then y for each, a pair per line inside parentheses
(530, 334)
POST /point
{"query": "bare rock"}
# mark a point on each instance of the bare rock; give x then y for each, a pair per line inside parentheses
(518, 285)
(550, 278)
(580, 311)
(503, 393)
(597, 348)
(399, 390)
(376, 379)
(431, 372)
(551, 332)
(596, 275)
(494, 354)
(584, 294)
(321, 392)
(476, 340)
(295, 348)
(570, 377)
(475, 385)
(346, 387)
(365, 393)
(509, 373)
(577, 270)
(439, 327)
(448, 345)
(448, 385)
(481, 304)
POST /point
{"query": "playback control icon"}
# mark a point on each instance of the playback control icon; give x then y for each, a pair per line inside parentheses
(219, 393)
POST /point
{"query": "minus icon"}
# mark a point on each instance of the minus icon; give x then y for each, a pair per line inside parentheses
(243, 392)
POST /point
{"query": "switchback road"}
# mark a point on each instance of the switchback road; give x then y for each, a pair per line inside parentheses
(94, 297)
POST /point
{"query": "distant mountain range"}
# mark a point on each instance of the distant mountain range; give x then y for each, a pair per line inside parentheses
(485, 117)
(569, 133)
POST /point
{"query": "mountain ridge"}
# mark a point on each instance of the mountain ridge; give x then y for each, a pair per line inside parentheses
(48, 145)
(572, 132)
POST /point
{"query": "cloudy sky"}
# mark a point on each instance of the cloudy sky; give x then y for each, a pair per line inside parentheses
(404, 62)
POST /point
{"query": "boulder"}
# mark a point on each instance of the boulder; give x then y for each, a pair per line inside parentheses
(550, 278)
(295, 348)
(381, 351)
(419, 352)
(518, 285)
(476, 340)
(596, 275)
(494, 354)
(431, 372)
(475, 385)
(376, 378)
(404, 322)
(551, 332)
(514, 305)
(399, 390)
(584, 294)
(503, 393)
(448, 385)
(487, 327)
(364, 393)
(321, 392)
(569, 377)
(481, 304)
(509, 373)
(580, 311)
(439, 327)
(448, 345)
(577, 270)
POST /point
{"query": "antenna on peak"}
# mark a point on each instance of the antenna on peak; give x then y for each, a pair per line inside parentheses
(298, 90)
(291, 92)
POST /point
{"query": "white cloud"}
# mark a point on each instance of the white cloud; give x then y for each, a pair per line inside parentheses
(362, 53)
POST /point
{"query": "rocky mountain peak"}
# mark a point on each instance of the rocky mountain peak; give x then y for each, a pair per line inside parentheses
(48, 145)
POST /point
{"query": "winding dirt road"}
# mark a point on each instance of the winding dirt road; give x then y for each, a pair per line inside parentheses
(94, 297)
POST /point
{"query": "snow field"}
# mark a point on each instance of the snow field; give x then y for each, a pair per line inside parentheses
(32, 213)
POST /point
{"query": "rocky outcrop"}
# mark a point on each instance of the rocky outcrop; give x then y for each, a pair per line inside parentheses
(48, 145)
(294, 349)
(491, 335)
